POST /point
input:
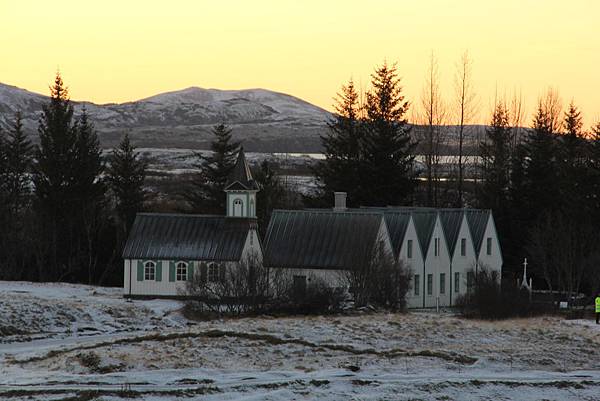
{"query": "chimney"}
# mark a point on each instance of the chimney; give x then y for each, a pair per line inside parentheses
(340, 201)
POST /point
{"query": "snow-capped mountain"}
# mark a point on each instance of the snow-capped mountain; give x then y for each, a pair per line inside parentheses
(263, 119)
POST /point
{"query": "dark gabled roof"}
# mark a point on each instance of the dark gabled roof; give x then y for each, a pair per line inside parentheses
(397, 224)
(451, 220)
(477, 221)
(320, 239)
(424, 224)
(186, 236)
(240, 177)
(396, 220)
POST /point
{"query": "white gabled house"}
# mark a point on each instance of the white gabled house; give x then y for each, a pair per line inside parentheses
(485, 239)
(164, 251)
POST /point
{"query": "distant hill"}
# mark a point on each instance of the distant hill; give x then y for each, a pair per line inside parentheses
(264, 120)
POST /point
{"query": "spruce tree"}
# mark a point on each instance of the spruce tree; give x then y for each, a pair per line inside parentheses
(206, 193)
(53, 181)
(541, 183)
(573, 150)
(88, 161)
(386, 175)
(496, 159)
(270, 196)
(342, 147)
(18, 159)
(68, 191)
(125, 175)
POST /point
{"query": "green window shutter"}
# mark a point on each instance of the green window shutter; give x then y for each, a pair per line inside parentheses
(203, 272)
(159, 271)
(190, 270)
(140, 271)
(171, 271)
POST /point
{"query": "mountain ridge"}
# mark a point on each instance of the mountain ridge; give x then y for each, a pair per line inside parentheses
(264, 120)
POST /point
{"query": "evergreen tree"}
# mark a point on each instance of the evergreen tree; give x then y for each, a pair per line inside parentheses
(18, 159)
(386, 175)
(125, 176)
(68, 190)
(206, 194)
(541, 184)
(496, 159)
(88, 161)
(53, 181)
(271, 195)
(573, 162)
(340, 171)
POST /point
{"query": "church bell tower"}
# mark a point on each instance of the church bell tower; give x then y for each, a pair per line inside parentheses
(241, 190)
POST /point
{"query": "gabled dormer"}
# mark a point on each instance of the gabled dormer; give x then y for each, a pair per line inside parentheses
(241, 190)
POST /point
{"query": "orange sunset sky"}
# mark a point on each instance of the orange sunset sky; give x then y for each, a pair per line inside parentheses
(115, 51)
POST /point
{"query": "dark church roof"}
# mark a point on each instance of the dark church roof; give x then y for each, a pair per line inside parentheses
(320, 239)
(240, 177)
(189, 237)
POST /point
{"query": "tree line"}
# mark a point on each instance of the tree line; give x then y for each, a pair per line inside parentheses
(65, 212)
(542, 182)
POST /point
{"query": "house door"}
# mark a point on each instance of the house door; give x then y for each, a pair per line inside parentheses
(299, 287)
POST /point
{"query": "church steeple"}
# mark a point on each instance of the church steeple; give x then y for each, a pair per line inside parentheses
(241, 189)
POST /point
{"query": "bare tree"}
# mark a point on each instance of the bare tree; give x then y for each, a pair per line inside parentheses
(563, 250)
(240, 288)
(380, 280)
(432, 116)
(465, 108)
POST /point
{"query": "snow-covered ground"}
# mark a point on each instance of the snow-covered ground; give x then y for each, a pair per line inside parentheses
(64, 341)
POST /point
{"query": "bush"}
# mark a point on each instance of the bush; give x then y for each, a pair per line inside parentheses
(488, 299)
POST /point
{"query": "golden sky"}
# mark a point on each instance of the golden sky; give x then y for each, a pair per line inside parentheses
(115, 51)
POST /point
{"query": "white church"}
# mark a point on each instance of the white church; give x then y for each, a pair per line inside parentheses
(440, 246)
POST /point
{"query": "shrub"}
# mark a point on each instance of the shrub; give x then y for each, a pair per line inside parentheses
(489, 299)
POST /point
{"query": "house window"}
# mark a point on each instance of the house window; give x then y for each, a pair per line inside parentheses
(457, 282)
(430, 284)
(150, 271)
(417, 284)
(181, 270)
(213, 273)
(489, 246)
(436, 247)
(470, 281)
(409, 250)
(238, 207)
(463, 247)
(442, 283)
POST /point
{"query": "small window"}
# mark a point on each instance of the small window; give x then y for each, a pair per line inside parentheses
(489, 246)
(409, 249)
(417, 284)
(442, 283)
(430, 284)
(238, 208)
(181, 271)
(457, 282)
(213, 273)
(470, 281)
(150, 271)
(436, 247)
(463, 247)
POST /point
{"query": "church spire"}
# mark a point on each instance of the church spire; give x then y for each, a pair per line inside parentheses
(241, 189)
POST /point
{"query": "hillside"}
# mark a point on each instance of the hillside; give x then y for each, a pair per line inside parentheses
(75, 342)
(266, 121)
